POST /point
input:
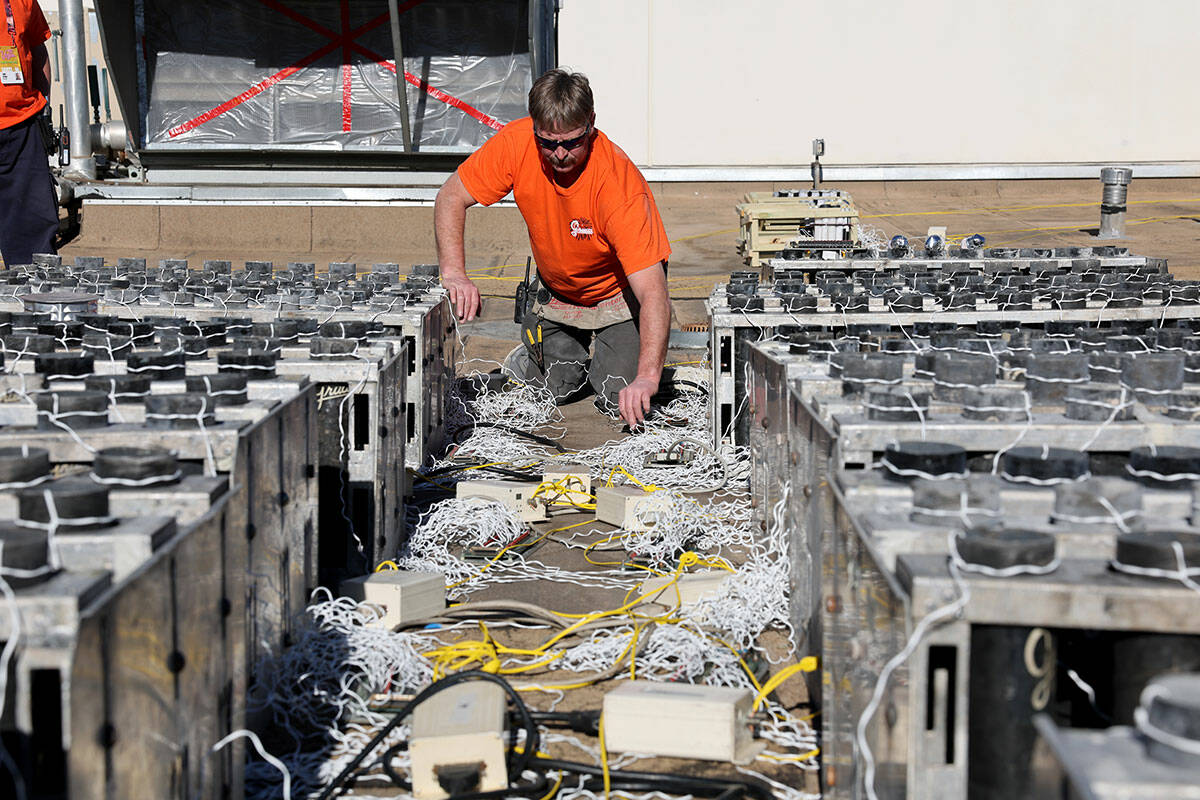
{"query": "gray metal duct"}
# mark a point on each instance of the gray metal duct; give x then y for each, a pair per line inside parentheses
(75, 88)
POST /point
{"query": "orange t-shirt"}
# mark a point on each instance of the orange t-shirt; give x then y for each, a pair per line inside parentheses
(19, 103)
(587, 237)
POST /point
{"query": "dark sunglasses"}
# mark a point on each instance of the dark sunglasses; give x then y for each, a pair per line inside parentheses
(566, 144)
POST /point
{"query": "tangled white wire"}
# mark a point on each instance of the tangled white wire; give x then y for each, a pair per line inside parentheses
(756, 596)
(680, 523)
(452, 525)
(324, 683)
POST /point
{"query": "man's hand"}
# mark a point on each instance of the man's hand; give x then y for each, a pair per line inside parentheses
(654, 327)
(634, 400)
(465, 296)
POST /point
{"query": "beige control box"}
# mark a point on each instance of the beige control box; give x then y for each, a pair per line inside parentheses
(516, 495)
(629, 507)
(403, 597)
(459, 731)
(680, 720)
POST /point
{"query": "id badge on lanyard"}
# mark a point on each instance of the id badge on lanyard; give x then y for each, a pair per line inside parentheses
(11, 73)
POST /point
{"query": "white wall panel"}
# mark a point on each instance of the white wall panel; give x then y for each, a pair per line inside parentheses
(719, 83)
(610, 42)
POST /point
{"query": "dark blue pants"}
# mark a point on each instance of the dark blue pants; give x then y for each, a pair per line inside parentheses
(28, 208)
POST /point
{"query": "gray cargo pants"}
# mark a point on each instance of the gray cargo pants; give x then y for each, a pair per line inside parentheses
(578, 358)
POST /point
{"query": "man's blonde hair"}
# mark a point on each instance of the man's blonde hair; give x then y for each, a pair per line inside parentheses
(561, 100)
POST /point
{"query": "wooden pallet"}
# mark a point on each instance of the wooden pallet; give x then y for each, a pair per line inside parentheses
(767, 223)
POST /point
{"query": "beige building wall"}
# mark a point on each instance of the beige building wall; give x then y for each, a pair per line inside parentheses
(749, 83)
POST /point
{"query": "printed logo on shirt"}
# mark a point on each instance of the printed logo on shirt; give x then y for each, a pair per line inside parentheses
(581, 228)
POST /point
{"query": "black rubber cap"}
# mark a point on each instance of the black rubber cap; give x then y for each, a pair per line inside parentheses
(76, 409)
(22, 549)
(255, 366)
(71, 365)
(1172, 462)
(1098, 402)
(1044, 463)
(225, 388)
(930, 458)
(23, 464)
(238, 325)
(1061, 327)
(30, 343)
(134, 330)
(1156, 371)
(119, 385)
(352, 329)
(799, 302)
(1174, 706)
(72, 331)
(107, 346)
(157, 365)
(994, 403)
(326, 346)
(255, 344)
(309, 326)
(864, 368)
(166, 323)
(193, 348)
(73, 498)
(896, 404)
(280, 329)
(98, 322)
(1006, 547)
(1156, 549)
(179, 411)
(134, 463)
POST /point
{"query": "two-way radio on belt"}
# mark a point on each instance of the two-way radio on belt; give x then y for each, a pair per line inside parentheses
(523, 302)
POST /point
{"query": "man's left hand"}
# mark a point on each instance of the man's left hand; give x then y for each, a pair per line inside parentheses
(634, 400)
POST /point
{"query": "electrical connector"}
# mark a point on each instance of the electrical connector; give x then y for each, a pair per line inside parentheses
(670, 458)
(680, 720)
(575, 478)
(517, 547)
(402, 596)
(515, 495)
(457, 742)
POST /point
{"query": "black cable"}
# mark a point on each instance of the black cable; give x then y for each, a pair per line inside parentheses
(585, 722)
(518, 765)
(515, 431)
(512, 473)
(664, 782)
(733, 792)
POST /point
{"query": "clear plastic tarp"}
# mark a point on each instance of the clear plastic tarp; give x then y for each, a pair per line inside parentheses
(305, 74)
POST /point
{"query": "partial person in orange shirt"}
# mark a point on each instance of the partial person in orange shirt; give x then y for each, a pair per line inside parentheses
(598, 240)
(28, 208)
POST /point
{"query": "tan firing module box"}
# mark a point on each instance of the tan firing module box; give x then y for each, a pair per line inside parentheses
(692, 587)
(403, 596)
(456, 731)
(680, 720)
(622, 505)
(516, 495)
